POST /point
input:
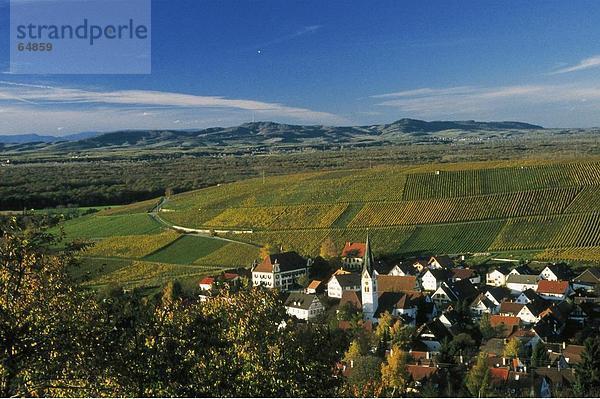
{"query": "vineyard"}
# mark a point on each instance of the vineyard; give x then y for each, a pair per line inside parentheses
(552, 209)
(134, 246)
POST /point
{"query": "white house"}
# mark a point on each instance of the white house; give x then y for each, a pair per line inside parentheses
(496, 295)
(433, 278)
(402, 271)
(280, 270)
(303, 306)
(338, 283)
(482, 304)
(530, 312)
(521, 282)
(353, 255)
(314, 286)
(443, 295)
(206, 283)
(521, 270)
(527, 296)
(554, 273)
(497, 277)
(588, 281)
(402, 304)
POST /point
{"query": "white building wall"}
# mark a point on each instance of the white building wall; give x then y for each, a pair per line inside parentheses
(496, 279)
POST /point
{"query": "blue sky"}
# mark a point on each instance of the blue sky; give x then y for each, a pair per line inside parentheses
(221, 63)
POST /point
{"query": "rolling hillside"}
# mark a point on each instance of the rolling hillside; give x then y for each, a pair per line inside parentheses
(259, 135)
(549, 209)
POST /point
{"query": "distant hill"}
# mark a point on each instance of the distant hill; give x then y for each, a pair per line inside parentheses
(36, 138)
(271, 134)
(419, 126)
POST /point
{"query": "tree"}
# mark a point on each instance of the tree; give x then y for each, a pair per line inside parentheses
(445, 354)
(539, 357)
(353, 352)
(394, 373)
(382, 332)
(328, 249)
(512, 348)
(587, 372)
(365, 377)
(478, 378)
(463, 345)
(485, 327)
(43, 317)
(171, 292)
(402, 335)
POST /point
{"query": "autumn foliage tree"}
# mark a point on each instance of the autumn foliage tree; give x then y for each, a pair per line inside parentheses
(42, 317)
(478, 378)
(58, 340)
(394, 373)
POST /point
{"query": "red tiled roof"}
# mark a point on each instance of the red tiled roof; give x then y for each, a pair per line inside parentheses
(552, 287)
(356, 249)
(573, 352)
(207, 280)
(522, 333)
(419, 373)
(510, 321)
(499, 374)
(463, 274)
(287, 261)
(396, 283)
(352, 298)
(314, 284)
(230, 276)
(510, 307)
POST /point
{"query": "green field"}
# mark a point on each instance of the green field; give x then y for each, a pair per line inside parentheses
(96, 226)
(135, 250)
(186, 250)
(531, 207)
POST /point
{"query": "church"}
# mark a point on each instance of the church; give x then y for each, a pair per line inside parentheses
(400, 296)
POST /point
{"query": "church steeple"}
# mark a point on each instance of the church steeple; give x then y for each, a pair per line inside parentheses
(369, 261)
(369, 294)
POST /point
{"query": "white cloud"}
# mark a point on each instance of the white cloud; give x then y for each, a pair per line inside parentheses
(168, 109)
(588, 63)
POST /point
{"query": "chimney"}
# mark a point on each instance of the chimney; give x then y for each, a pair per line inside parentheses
(503, 361)
(427, 355)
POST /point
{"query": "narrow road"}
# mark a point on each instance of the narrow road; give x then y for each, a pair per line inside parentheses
(154, 214)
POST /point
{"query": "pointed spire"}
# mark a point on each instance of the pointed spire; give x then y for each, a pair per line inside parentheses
(368, 260)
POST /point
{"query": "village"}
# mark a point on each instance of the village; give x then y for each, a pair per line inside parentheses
(528, 322)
